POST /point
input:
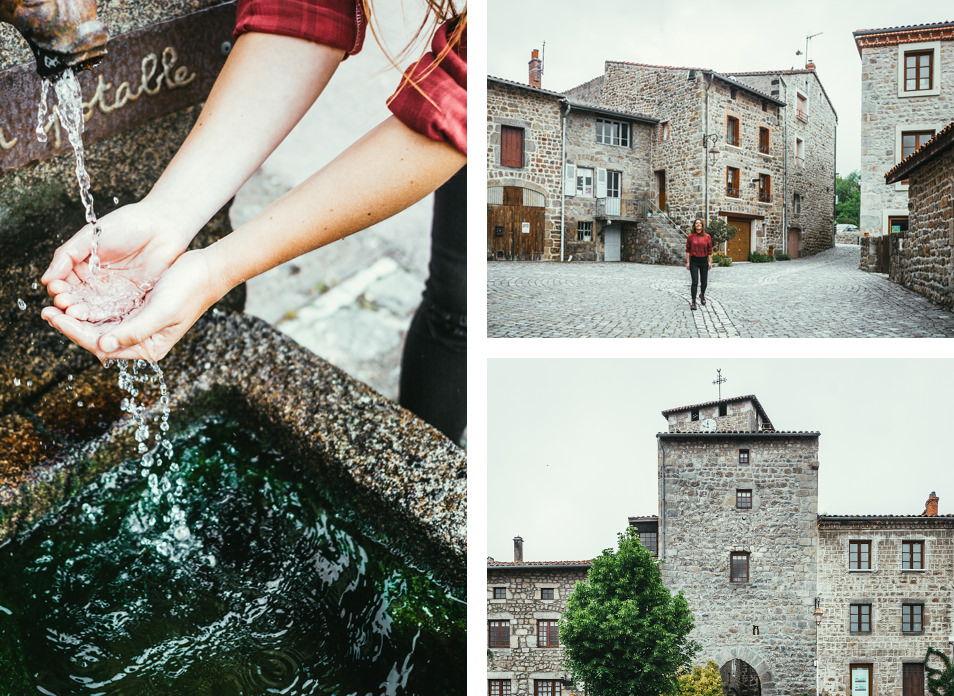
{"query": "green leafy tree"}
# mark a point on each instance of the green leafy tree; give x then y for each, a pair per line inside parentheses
(720, 230)
(623, 633)
(848, 190)
(700, 681)
(940, 681)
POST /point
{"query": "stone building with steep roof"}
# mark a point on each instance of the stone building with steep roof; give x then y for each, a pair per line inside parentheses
(907, 97)
(786, 601)
(757, 149)
(922, 257)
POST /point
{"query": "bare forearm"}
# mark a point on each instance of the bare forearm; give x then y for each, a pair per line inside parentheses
(266, 86)
(389, 169)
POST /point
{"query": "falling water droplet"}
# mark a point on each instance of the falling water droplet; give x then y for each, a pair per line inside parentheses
(34, 286)
(21, 304)
(16, 381)
(29, 382)
(80, 404)
(115, 200)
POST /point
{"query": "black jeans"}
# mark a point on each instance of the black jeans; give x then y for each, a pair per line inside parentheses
(434, 363)
(699, 272)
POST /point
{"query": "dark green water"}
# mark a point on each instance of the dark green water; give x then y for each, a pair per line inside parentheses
(248, 583)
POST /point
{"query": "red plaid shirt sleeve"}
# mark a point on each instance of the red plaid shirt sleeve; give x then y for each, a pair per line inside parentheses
(432, 96)
(336, 23)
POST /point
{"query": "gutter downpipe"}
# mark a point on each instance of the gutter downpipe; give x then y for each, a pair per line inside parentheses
(563, 179)
(662, 502)
(785, 167)
(705, 144)
(834, 190)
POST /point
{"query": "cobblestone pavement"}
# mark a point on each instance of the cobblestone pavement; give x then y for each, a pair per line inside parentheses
(816, 297)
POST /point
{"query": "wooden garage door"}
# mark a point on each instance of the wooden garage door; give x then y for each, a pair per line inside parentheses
(740, 245)
(515, 232)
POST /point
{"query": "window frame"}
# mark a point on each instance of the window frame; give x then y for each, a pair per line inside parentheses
(908, 618)
(800, 152)
(868, 550)
(765, 140)
(921, 47)
(584, 230)
(859, 617)
(498, 638)
(544, 590)
(743, 498)
(765, 188)
(801, 106)
(655, 541)
(732, 175)
(505, 687)
(614, 183)
(499, 593)
(908, 555)
(553, 687)
(739, 574)
(622, 134)
(581, 183)
(514, 130)
(732, 135)
(548, 633)
(665, 131)
(925, 133)
(744, 457)
(796, 204)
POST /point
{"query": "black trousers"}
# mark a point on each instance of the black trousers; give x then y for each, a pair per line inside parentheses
(434, 364)
(699, 272)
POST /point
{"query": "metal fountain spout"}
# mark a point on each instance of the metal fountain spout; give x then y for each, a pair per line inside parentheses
(62, 33)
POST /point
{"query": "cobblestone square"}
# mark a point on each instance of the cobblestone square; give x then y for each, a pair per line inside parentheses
(822, 296)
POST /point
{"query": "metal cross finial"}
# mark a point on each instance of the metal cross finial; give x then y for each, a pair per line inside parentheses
(719, 381)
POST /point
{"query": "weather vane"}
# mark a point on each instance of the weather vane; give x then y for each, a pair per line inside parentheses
(719, 381)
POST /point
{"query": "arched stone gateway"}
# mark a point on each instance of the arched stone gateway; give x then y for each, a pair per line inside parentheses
(739, 678)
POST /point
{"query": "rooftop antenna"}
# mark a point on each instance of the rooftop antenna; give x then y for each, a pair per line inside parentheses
(807, 39)
(720, 380)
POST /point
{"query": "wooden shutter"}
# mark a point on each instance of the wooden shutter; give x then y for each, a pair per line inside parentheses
(511, 146)
(601, 183)
(569, 180)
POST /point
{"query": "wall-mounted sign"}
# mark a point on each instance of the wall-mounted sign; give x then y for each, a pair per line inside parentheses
(145, 74)
(525, 227)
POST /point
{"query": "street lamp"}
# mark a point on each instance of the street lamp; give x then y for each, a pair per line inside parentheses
(818, 619)
(707, 140)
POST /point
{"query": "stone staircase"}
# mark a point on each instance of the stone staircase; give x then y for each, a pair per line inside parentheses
(659, 239)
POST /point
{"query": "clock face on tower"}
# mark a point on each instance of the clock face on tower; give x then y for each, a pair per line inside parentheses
(708, 425)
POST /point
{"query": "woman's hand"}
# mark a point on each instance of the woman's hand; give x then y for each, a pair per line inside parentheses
(138, 242)
(182, 294)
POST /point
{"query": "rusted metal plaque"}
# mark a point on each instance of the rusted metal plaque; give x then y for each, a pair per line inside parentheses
(146, 73)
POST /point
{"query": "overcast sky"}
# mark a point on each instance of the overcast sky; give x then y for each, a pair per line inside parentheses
(572, 443)
(722, 35)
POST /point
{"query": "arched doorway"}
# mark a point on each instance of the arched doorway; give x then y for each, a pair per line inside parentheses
(515, 223)
(739, 678)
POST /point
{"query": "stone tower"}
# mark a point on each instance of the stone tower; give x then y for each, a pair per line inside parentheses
(737, 535)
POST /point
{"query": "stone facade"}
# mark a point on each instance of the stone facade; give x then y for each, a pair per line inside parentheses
(739, 534)
(922, 258)
(761, 617)
(888, 110)
(886, 588)
(524, 661)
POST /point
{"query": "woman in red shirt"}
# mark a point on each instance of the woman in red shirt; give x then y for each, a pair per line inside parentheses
(698, 260)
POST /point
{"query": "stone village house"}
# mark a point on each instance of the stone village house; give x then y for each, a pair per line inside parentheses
(907, 97)
(922, 257)
(615, 168)
(773, 585)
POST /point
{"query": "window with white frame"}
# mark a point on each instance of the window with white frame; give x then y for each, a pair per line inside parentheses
(612, 132)
(584, 231)
(584, 181)
(613, 183)
(919, 69)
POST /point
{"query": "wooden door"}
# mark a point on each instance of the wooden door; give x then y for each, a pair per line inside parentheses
(793, 237)
(661, 187)
(740, 245)
(514, 230)
(912, 680)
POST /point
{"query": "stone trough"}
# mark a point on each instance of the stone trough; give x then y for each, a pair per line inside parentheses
(60, 418)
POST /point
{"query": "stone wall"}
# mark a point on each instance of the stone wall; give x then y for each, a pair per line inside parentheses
(767, 621)
(523, 661)
(812, 175)
(740, 416)
(632, 162)
(883, 115)
(886, 588)
(538, 114)
(923, 257)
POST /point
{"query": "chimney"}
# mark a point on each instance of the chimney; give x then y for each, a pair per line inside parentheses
(930, 508)
(810, 65)
(518, 548)
(536, 70)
